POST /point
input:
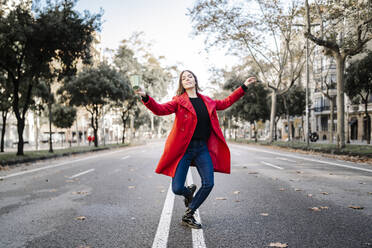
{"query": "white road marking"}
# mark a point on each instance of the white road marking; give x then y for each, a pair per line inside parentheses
(309, 159)
(286, 159)
(266, 163)
(162, 233)
(125, 157)
(57, 165)
(81, 173)
(236, 153)
(197, 234)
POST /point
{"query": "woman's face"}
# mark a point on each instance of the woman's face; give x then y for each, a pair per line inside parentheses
(188, 80)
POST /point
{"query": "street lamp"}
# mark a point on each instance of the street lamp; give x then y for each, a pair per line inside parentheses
(307, 125)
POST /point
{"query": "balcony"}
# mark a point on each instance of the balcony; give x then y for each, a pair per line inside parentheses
(323, 108)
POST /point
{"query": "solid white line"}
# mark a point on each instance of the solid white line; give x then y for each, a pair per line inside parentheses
(57, 165)
(286, 159)
(162, 233)
(125, 157)
(309, 159)
(197, 234)
(266, 163)
(82, 173)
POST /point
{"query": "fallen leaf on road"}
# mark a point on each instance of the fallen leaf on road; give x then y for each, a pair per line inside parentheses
(131, 187)
(330, 173)
(252, 172)
(236, 192)
(244, 167)
(221, 198)
(53, 190)
(277, 244)
(299, 172)
(362, 183)
(80, 218)
(324, 193)
(264, 214)
(310, 195)
(131, 170)
(70, 181)
(80, 193)
(323, 207)
(162, 191)
(282, 189)
(356, 207)
(314, 209)
(298, 189)
(370, 193)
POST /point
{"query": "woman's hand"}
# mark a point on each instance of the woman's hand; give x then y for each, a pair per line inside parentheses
(250, 80)
(140, 92)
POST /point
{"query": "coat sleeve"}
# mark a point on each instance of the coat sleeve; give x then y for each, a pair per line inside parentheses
(228, 101)
(161, 109)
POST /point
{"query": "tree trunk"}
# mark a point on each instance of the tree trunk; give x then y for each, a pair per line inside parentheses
(96, 130)
(272, 116)
(4, 115)
(20, 128)
(289, 128)
(340, 64)
(332, 122)
(50, 127)
(367, 122)
(123, 138)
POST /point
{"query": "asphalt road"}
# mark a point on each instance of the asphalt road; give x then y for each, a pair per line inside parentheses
(114, 199)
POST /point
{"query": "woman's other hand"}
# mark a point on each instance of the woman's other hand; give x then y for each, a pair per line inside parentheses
(250, 80)
(140, 92)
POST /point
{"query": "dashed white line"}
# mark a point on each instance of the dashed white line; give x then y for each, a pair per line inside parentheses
(308, 159)
(162, 233)
(81, 173)
(286, 159)
(197, 234)
(266, 163)
(125, 157)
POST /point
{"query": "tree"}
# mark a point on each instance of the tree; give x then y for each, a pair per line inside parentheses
(5, 105)
(32, 38)
(94, 88)
(294, 104)
(358, 83)
(63, 116)
(348, 27)
(267, 36)
(253, 106)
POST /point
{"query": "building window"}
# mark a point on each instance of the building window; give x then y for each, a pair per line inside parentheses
(324, 123)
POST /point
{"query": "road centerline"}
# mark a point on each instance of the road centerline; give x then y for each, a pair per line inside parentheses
(271, 165)
(82, 173)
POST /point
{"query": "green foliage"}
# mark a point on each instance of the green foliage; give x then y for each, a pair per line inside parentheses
(254, 105)
(63, 116)
(358, 79)
(33, 40)
(293, 101)
(96, 87)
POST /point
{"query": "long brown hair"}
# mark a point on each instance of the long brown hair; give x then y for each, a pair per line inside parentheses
(182, 90)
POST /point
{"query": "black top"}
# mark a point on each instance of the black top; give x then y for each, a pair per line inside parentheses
(203, 126)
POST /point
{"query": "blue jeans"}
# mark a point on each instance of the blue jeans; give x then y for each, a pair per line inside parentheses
(197, 151)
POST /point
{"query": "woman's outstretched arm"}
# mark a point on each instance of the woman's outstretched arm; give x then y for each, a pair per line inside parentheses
(158, 109)
(239, 92)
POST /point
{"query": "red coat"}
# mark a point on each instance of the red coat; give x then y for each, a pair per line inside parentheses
(183, 129)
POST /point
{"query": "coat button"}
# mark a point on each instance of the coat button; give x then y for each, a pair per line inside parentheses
(185, 115)
(182, 129)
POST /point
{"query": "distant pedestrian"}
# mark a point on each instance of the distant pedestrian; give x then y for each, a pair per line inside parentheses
(195, 139)
(89, 139)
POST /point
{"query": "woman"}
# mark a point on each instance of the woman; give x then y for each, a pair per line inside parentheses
(196, 138)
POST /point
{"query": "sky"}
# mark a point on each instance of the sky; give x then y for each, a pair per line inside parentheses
(165, 23)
